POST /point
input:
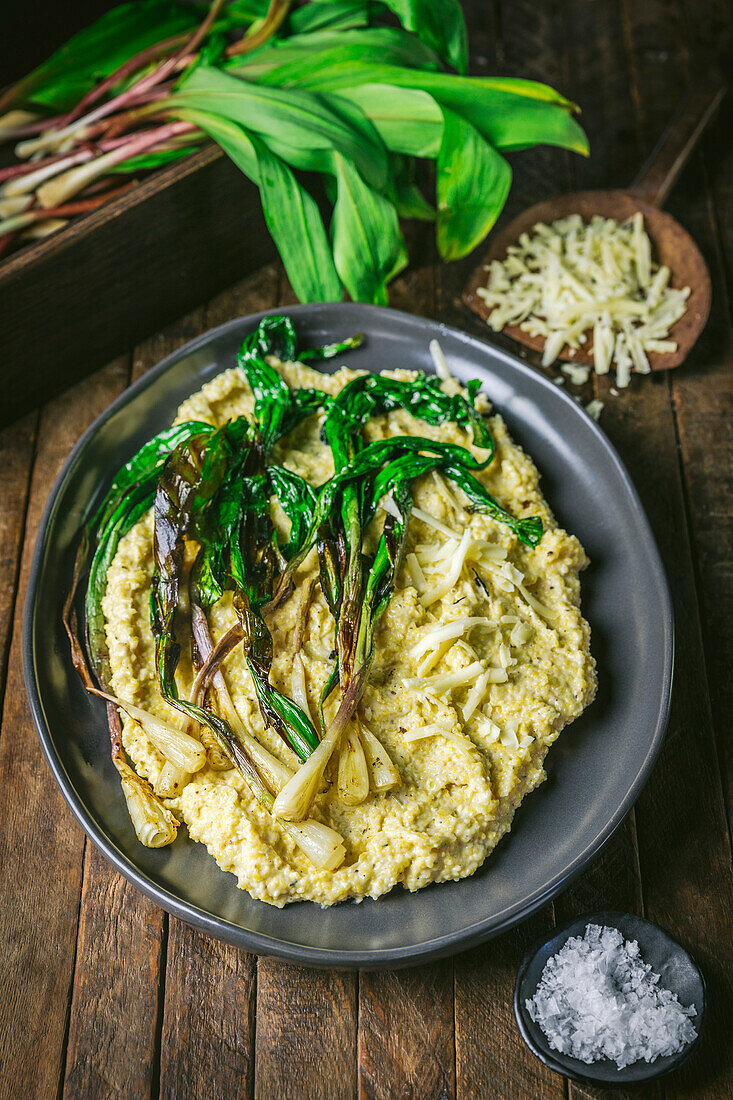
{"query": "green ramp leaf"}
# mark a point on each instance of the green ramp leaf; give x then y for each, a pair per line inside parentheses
(331, 14)
(509, 114)
(407, 120)
(297, 229)
(229, 136)
(100, 49)
(367, 244)
(437, 23)
(306, 129)
(291, 59)
(473, 182)
(408, 198)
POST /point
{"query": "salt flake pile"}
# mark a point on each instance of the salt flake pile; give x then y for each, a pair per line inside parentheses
(597, 998)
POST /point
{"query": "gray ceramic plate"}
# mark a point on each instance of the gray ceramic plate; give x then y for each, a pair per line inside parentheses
(596, 770)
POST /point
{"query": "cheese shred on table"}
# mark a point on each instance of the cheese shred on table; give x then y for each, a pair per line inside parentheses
(574, 279)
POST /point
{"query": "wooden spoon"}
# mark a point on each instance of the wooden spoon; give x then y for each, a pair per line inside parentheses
(671, 244)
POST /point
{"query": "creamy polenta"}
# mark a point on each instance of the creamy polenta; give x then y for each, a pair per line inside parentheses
(482, 657)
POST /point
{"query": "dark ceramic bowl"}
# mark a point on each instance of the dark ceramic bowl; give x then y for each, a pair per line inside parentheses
(677, 970)
(595, 771)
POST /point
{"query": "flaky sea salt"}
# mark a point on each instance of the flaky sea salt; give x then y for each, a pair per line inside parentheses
(597, 998)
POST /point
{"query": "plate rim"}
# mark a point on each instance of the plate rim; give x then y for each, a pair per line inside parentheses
(258, 942)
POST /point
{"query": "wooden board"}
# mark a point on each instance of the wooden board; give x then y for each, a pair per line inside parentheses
(102, 995)
(114, 277)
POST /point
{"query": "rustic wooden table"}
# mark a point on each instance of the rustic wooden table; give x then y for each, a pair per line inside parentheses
(102, 994)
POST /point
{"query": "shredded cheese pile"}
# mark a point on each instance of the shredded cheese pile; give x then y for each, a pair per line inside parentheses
(435, 568)
(573, 278)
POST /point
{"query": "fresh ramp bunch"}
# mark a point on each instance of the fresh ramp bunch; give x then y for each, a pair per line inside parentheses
(210, 491)
(329, 88)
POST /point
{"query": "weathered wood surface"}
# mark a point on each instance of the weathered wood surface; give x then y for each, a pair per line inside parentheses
(103, 995)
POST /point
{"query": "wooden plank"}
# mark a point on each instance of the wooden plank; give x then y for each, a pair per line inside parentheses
(703, 395)
(702, 398)
(683, 841)
(16, 462)
(406, 1033)
(118, 960)
(208, 1028)
(114, 276)
(208, 1022)
(41, 847)
(491, 1058)
(104, 1059)
(596, 60)
(306, 1033)
(640, 421)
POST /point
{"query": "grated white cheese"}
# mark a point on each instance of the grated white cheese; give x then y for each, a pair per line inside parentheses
(520, 634)
(436, 523)
(416, 574)
(456, 568)
(449, 631)
(447, 495)
(574, 278)
(475, 696)
(436, 730)
(542, 609)
(390, 505)
(497, 675)
(577, 375)
(487, 728)
(439, 360)
(594, 408)
(597, 998)
(465, 675)
(433, 657)
(508, 737)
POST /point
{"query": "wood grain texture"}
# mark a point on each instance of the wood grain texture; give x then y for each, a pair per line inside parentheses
(680, 812)
(682, 809)
(208, 1026)
(703, 398)
(41, 846)
(306, 1033)
(593, 48)
(116, 275)
(111, 1049)
(16, 462)
(406, 1037)
(491, 1059)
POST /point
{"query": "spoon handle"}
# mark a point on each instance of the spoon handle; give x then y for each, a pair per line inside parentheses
(673, 150)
